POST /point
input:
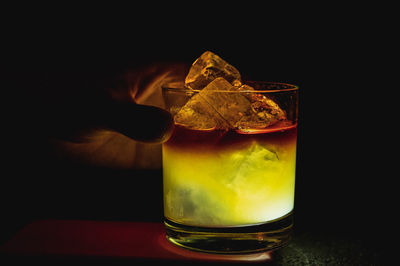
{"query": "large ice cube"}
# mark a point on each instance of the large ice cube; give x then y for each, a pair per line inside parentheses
(195, 204)
(221, 105)
(222, 100)
(265, 112)
(214, 106)
(251, 162)
(198, 114)
(208, 67)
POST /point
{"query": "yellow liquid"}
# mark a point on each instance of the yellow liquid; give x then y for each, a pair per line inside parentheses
(239, 185)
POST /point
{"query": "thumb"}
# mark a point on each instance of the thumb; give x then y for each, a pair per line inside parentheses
(139, 122)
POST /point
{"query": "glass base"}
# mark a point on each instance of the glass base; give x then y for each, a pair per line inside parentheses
(232, 240)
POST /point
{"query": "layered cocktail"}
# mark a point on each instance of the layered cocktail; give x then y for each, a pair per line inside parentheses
(229, 166)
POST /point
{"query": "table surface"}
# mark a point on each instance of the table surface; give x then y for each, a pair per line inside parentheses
(56, 241)
(100, 216)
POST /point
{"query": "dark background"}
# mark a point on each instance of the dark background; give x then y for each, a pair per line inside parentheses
(340, 165)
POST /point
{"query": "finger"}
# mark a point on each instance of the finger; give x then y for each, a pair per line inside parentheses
(139, 122)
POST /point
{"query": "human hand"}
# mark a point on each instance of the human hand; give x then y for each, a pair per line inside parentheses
(115, 122)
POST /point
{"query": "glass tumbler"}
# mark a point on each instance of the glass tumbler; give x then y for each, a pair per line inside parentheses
(229, 168)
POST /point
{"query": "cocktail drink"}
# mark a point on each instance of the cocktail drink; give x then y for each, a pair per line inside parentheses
(229, 166)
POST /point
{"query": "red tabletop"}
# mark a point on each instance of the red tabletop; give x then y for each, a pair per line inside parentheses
(130, 240)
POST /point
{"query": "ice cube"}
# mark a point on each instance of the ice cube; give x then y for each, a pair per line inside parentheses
(208, 67)
(222, 105)
(253, 161)
(197, 114)
(178, 202)
(214, 106)
(196, 205)
(265, 112)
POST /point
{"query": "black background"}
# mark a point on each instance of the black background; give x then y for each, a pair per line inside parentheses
(333, 58)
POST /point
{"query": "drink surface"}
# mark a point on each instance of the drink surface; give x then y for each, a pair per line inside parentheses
(219, 178)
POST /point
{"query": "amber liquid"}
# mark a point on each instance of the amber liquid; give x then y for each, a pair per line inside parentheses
(229, 178)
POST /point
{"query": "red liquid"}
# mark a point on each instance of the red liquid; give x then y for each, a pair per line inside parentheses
(218, 139)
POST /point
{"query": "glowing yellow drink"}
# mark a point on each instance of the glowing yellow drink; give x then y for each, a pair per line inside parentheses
(229, 166)
(229, 178)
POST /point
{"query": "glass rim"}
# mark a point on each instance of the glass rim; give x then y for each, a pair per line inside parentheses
(178, 86)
